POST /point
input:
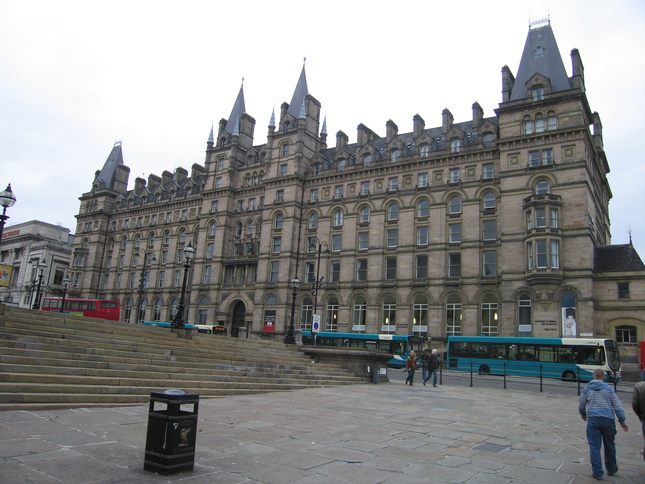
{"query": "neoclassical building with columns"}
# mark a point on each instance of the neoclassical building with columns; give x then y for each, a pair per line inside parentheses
(494, 225)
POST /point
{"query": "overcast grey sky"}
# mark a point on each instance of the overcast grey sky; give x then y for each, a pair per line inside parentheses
(76, 76)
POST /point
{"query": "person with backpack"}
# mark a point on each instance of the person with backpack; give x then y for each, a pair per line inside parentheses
(432, 365)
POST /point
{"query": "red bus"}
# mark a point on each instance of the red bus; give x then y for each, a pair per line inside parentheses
(93, 308)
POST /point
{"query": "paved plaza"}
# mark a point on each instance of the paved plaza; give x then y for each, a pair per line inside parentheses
(385, 433)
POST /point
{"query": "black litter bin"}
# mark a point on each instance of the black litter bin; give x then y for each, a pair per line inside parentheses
(172, 428)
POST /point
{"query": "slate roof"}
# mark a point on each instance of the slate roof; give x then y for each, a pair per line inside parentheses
(541, 55)
(298, 95)
(107, 175)
(617, 258)
(236, 113)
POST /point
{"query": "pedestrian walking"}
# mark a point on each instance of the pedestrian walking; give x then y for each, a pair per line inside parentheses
(425, 361)
(433, 366)
(411, 366)
(638, 404)
(597, 405)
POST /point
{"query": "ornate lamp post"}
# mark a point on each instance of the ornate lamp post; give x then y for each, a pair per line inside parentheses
(178, 321)
(290, 337)
(318, 281)
(41, 266)
(65, 287)
(142, 282)
(7, 199)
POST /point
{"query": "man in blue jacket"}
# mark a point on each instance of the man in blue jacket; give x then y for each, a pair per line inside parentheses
(597, 405)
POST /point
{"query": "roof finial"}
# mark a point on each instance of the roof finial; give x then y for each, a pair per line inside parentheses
(324, 126)
(242, 81)
(629, 231)
(272, 121)
(304, 61)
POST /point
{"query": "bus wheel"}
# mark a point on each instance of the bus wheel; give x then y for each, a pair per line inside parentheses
(484, 369)
(569, 376)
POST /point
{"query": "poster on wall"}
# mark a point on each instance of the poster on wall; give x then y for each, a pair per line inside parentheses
(569, 324)
(269, 321)
(5, 275)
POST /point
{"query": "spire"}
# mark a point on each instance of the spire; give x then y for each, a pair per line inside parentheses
(323, 131)
(211, 137)
(236, 113)
(540, 56)
(236, 131)
(303, 112)
(272, 121)
(298, 95)
(107, 176)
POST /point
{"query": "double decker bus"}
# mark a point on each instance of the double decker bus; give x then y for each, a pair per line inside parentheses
(562, 358)
(397, 345)
(92, 308)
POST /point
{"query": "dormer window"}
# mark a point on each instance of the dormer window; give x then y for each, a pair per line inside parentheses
(341, 164)
(367, 159)
(455, 145)
(395, 155)
(538, 93)
(424, 150)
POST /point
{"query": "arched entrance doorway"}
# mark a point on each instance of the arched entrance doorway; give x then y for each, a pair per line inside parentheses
(238, 319)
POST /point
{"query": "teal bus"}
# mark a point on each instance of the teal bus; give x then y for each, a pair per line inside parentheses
(562, 358)
(398, 345)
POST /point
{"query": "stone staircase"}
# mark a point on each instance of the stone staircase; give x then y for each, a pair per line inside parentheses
(54, 360)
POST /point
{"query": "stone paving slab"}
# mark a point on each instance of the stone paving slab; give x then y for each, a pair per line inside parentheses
(386, 433)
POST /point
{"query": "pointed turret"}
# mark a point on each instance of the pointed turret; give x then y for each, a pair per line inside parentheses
(299, 94)
(236, 113)
(106, 177)
(541, 56)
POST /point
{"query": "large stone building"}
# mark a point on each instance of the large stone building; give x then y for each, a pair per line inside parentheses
(23, 247)
(496, 225)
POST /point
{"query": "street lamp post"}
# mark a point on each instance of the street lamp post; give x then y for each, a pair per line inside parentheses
(290, 337)
(41, 266)
(318, 281)
(178, 320)
(65, 287)
(7, 199)
(142, 283)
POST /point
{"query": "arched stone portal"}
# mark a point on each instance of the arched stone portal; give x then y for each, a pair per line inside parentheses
(238, 319)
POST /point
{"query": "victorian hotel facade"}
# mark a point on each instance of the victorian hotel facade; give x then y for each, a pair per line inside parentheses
(495, 225)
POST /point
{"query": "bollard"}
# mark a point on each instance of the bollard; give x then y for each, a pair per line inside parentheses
(170, 441)
(376, 374)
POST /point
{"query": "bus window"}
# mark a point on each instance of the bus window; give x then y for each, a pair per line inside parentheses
(547, 354)
(498, 351)
(108, 304)
(400, 350)
(567, 355)
(593, 356)
(527, 353)
(512, 352)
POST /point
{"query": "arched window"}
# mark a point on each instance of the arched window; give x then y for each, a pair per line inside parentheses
(331, 315)
(238, 229)
(111, 243)
(424, 150)
(124, 242)
(420, 314)
(453, 315)
(341, 164)
(213, 229)
(395, 154)
(250, 227)
(388, 315)
(338, 218)
(151, 240)
(489, 201)
(359, 314)
(156, 315)
(527, 124)
(454, 206)
(367, 159)
(142, 311)
(423, 209)
(365, 215)
(174, 305)
(489, 316)
(313, 221)
(284, 150)
(393, 211)
(182, 236)
(455, 145)
(279, 220)
(127, 312)
(542, 187)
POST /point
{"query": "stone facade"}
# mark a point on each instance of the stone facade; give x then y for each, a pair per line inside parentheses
(23, 246)
(487, 226)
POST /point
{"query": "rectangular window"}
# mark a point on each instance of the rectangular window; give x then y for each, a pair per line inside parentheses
(207, 275)
(547, 157)
(279, 196)
(282, 170)
(162, 276)
(555, 254)
(528, 127)
(275, 267)
(423, 235)
(454, 265)
(164, 257)
(423, 180)
(454, 236)
(338, 192)
(553, 218)
(539, 125)
(363, 240)
(240, 205)
(541, 253)
(551, 123)
(334, 273)
(336, 242)
(390, 268)
(393, 184)
(623, 290)
(210, 250)
(487, 171)
(534, 158)
(489, 229)
(310, 272)
(177, 280)
(218, 182)
(214, 204)
(489, 263)
(277, 244)
(392, 237)
(118, 281)
(422, 267)
(365, 188)
(313, 197)
(454, 175)
(540, 217)
(361, 270)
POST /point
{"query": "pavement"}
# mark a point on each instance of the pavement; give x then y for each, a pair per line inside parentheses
(368, 433)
